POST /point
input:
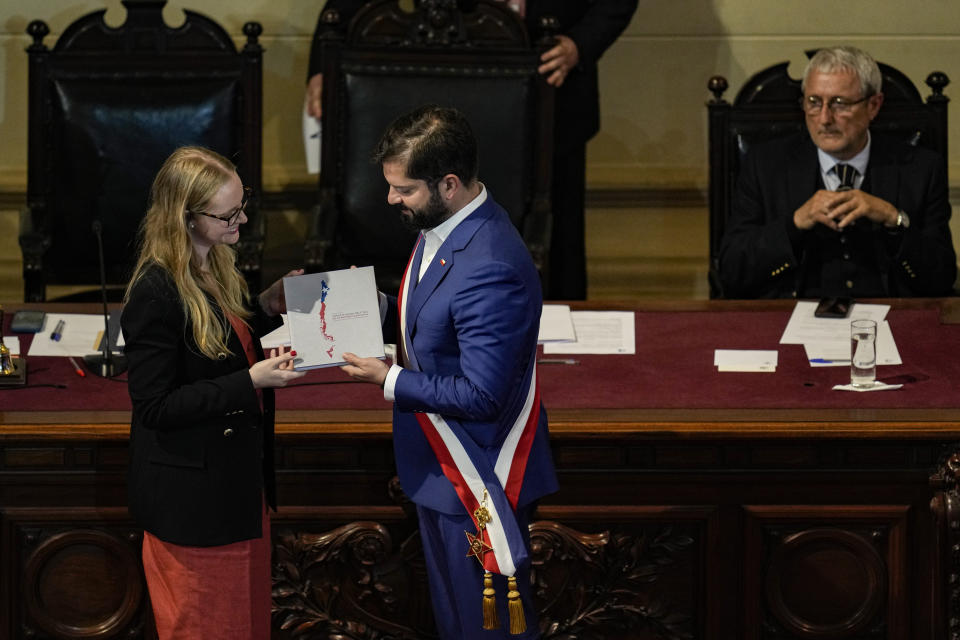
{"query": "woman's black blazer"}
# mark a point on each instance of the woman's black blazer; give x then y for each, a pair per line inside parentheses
(201, 449)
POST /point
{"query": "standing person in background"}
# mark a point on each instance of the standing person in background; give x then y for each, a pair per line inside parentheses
(201, 437)
(587, 29)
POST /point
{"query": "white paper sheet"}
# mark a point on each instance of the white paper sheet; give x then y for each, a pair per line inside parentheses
(81, 335)
(745, 360)
(605, 332)
(331, 313)
(836, 353)
(311, 141)
(13, 343)
(556, 324)
(804, 327)
(279, 337)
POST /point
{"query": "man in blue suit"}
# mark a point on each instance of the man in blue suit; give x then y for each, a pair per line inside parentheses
(470, 433)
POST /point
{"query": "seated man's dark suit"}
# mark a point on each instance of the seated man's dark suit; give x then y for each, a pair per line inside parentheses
(764, 255)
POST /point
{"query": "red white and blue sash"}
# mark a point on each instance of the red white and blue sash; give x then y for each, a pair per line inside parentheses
(469, 467)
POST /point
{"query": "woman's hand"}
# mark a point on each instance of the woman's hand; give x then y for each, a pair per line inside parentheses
(275, 371)
(272, 300)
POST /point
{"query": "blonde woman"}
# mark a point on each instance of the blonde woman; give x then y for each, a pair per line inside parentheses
(201, 438)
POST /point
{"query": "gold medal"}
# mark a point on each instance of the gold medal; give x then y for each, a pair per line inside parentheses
(481, 516)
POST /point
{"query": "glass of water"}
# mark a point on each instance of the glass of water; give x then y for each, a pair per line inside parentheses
(863, 353)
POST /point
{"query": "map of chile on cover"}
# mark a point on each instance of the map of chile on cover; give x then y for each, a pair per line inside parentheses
(331, 313)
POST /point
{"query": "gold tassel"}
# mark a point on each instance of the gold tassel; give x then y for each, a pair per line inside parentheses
(489, 603)
(518, 624)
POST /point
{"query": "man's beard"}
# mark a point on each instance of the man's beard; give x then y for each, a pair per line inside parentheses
(432, 214)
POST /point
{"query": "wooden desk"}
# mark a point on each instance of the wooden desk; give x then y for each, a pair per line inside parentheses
(692, 518)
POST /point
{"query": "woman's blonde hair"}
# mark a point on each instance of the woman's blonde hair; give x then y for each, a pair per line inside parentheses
(188, 181)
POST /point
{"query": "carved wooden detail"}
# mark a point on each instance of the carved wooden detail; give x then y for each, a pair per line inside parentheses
(608, 585)
(350, 583)
(827, 571)
(81, 582)
(436, 23)
(826, 583)
(945, 507)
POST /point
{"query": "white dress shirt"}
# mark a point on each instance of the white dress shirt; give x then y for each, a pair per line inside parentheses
(828, 172)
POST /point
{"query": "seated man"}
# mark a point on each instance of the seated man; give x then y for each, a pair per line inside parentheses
(841, 211)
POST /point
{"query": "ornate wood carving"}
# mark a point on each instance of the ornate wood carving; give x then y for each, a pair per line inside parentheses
(436, 23)
(607, 584)
(945, 507)
(350, 584)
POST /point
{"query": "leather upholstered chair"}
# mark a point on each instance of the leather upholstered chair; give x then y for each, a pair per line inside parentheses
(389, 62)
(106, 107)
(768, 107)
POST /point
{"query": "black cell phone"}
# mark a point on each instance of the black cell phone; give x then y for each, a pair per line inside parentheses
(27, 321)
(833, 307)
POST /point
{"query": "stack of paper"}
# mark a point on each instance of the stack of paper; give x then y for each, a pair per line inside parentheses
(556, 324)
(827, 340)
(279, 337)
(82, 334)
(606, 332)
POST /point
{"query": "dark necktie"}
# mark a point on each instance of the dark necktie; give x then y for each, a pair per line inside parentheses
(847, 174)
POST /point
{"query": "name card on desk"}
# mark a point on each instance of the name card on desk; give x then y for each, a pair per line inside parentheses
(745, 360)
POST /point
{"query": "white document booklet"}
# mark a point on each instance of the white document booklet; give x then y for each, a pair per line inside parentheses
(331, 313)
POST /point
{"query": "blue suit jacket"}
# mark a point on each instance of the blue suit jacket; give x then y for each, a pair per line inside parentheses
(473, 320)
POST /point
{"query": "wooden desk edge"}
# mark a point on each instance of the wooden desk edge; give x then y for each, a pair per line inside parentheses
(571, 424)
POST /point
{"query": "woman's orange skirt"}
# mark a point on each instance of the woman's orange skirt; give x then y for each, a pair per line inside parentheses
(210, 592)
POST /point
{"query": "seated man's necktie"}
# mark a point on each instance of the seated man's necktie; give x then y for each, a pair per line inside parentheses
(847, 174)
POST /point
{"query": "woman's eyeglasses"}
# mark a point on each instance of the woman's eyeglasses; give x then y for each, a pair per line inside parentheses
(233, 215)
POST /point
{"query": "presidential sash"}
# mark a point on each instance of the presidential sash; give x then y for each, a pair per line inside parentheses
(489, 490)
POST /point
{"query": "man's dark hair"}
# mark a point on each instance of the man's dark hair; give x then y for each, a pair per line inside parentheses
(432, 142)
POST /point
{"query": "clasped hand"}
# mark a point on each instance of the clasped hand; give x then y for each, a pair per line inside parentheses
(840, 209)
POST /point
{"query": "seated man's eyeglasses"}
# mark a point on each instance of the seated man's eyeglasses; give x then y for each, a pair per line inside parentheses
(233, 215)
(813, 104)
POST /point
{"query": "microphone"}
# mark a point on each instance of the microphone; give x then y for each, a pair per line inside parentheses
(107, 363)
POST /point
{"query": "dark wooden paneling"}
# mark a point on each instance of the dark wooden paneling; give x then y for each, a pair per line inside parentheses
(834, 571)
(745, 538)
(76, 572)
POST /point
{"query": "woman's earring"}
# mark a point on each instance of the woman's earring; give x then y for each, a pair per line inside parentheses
(191, 225)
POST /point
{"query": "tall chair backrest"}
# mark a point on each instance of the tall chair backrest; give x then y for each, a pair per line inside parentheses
(390, 62)
(106, 107)
(768, 107)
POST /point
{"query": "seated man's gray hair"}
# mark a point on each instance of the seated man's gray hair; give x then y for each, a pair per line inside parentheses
(847, 59)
